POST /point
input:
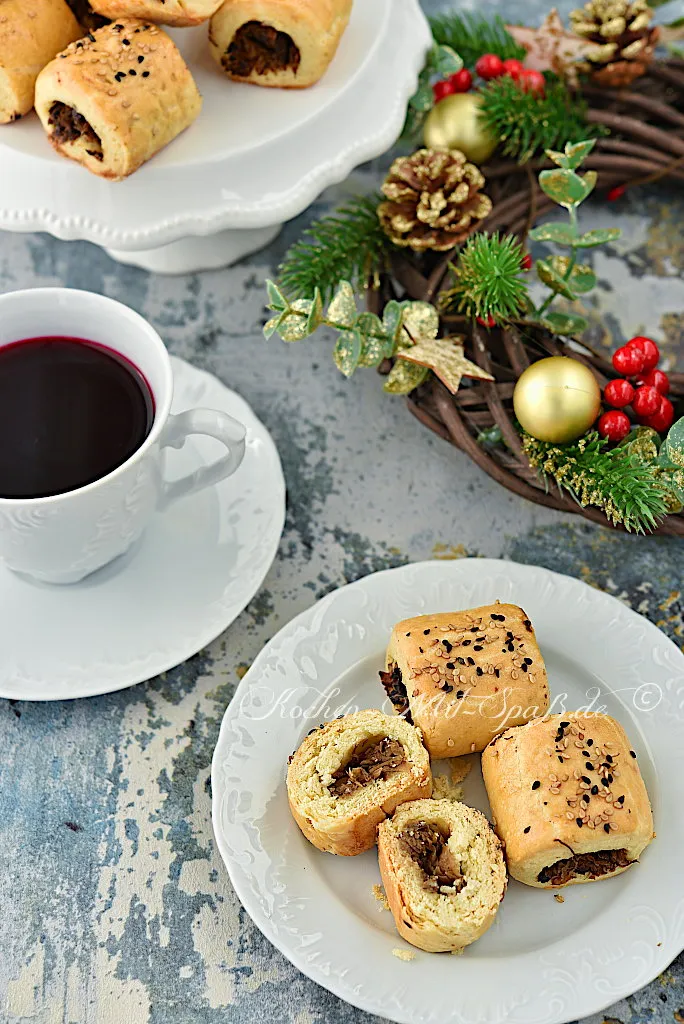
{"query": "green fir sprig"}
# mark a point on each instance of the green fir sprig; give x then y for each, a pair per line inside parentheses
(527, 124)
(347, 245)
(488, 279)
(626, 489)
(471, 35)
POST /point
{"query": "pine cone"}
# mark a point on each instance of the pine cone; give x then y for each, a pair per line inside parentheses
(433, 200)
(624, 38)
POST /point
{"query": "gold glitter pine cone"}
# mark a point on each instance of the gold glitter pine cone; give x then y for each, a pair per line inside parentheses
(622, 36)
(433, 200)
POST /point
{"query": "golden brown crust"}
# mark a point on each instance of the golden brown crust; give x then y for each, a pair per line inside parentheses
(434, 921)
(347, 825)
(315, 28)
(545, 809)
(179, 13)
(469, 675)
(32, 32)
(131, 85)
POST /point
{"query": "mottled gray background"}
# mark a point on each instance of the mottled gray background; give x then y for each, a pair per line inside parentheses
(114, 905)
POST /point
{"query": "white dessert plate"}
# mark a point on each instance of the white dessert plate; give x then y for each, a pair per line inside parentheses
(186, 580)
(542, 962)
(254, 157)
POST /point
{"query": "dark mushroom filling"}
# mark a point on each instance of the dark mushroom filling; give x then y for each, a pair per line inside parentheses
(372, 761)
(593, 864)
(86, 16)
(396, 691)
(427, 845)
(70, 126)
(260, 48)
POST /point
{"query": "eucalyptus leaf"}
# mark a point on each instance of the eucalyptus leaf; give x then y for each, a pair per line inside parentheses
(275, 297)
(272, 326)
(315, 317)
(404, 377)
(420, 321)
(565, 187)
(423, 98)
(347, 352)
(575, 154)
(342, 309)
(373, 339)
(561, 234)
(293, 327)
(553, 280)
(567, 324)
(582, 278)
(445, 61)
(674, 443)
(598, 236)
(392, 325)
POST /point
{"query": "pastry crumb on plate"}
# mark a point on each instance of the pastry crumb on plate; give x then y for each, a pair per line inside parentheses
(404, 954)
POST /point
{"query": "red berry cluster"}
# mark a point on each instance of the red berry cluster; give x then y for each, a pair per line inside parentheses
(647, 394)
(490, 66)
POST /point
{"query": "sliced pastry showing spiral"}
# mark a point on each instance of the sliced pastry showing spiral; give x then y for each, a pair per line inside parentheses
(350, 774)
(285, 44)
(179, 13)
(568, 799)
(443, 871)
(32, 32)
(112, 100)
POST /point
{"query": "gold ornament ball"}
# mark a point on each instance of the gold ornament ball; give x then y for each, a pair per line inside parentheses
(454, 123)
(557, 399)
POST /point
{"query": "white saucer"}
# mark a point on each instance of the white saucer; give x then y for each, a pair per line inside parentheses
(189, 577)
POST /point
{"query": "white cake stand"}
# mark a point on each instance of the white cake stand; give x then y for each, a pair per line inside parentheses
(254, 158)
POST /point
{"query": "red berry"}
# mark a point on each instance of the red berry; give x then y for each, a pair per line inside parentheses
(513, 68)
(657, 379)
(533, 81)
(616, 193)
(462, 80)
(442, 89)
(628, 361)
(662, 419)
(618, 393)
(650, 351)
(488, 322)
(614, 425)
(489, 66)
(526, 262)
(646, 401)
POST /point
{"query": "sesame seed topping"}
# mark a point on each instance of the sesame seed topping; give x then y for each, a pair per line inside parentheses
(525, 830)
(632, 754)
(536, 784)
(606, 827)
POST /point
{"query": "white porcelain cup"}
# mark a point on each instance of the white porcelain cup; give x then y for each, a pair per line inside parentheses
(63, 538)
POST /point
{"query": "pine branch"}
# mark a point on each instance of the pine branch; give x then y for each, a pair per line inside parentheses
(527, 123)
(471, 36)
(487, 279)
(626, 489)
(348, 245)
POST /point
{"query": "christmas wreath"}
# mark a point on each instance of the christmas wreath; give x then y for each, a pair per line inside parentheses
(514, 122)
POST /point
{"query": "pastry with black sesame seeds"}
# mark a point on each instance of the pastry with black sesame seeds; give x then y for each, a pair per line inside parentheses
(571, 824)
(116, 97)
(463, 677)
(32, 32)
(349, 774)
(443, 873)
(284, 44)
(176, 13)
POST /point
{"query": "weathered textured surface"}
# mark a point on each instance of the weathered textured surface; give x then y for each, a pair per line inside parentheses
(114, 904)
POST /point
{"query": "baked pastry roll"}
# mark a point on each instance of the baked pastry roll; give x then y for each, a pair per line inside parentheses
(443, 872)
(115, 98)
(568, 799)
(463, 677)
(287, 44)
(180, 13)
(348, 775)
(32, 32)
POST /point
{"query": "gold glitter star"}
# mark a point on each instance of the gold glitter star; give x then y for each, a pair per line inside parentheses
(445, 357)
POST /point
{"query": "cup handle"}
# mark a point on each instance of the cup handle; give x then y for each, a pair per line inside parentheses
(202, 421)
